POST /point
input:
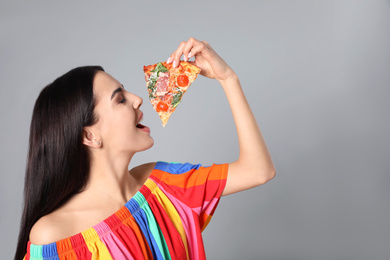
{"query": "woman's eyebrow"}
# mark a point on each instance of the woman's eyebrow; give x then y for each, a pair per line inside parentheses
(120, 89)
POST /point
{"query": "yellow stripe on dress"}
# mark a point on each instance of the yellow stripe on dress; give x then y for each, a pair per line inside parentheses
(97, 248)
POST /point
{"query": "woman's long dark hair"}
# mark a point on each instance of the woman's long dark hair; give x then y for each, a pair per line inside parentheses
(58, 162)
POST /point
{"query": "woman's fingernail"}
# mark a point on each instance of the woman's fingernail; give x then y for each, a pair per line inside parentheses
(169, 60)
(185, 58)
(189, 55)
(174, 64)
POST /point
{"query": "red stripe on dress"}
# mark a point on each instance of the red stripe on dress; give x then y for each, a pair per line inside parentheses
(126, 236)
(27, 257)
(128, 220)
(194, 196)
(80, 247)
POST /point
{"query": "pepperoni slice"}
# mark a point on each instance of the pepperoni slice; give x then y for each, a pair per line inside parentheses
(162, 107)
(182, 80)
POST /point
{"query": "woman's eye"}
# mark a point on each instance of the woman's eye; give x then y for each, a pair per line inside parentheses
(123, 100)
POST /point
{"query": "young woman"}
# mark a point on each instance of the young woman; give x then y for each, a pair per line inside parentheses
(82, 202)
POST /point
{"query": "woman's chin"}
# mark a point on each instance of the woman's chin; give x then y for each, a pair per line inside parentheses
(150, 144)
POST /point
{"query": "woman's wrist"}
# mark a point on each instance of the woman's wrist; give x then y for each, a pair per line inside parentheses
(232, 79)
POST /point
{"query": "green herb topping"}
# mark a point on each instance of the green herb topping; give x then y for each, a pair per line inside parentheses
(159, 68)
(176, 99)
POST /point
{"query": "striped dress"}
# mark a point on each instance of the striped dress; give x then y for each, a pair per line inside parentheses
(163, 220)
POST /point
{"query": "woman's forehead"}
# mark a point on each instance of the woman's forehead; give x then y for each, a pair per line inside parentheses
(104, 86)
(105, 82)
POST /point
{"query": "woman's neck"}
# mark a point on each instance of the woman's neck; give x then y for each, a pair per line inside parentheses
(109, 176)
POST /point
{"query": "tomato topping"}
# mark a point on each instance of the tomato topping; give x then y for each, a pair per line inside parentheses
(162, 107)
(182, 80)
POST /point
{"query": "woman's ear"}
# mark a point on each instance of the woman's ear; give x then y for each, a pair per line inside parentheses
(90, 139)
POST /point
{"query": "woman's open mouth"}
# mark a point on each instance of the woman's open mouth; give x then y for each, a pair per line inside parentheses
(140, 126)
(143, 127)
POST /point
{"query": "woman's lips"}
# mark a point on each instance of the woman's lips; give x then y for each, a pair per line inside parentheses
(141, 126)
(140, 117)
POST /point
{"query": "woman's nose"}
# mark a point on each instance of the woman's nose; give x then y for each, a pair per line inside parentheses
(137, 102)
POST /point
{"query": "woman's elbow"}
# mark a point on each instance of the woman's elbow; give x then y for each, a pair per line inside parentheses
(265, 176)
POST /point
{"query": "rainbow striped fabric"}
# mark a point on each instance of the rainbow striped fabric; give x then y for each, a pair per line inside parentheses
(163, 220)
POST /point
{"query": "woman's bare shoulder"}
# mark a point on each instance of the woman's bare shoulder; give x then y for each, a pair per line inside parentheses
(47, 229)
(77, 215)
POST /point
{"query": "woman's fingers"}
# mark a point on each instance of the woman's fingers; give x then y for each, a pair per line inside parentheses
(211, 64)
(187, 49)
(197, 49)
(192, 47)
(175, 56)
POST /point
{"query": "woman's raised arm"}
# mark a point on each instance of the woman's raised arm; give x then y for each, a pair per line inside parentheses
(254, 165)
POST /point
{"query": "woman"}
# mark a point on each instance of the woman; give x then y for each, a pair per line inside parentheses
(82, 202)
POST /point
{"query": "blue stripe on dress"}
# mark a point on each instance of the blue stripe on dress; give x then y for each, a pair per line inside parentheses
(49, 251)
(176, 168)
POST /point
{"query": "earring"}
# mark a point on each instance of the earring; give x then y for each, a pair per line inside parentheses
(98, 143)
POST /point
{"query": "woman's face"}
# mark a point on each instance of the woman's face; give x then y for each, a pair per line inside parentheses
(118, 116)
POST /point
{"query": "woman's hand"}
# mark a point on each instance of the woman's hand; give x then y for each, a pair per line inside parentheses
(210, 63)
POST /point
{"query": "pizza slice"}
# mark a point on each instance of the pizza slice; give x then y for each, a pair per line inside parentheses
(166, 85)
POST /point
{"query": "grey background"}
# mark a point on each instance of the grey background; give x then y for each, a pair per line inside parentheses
(316, 74)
